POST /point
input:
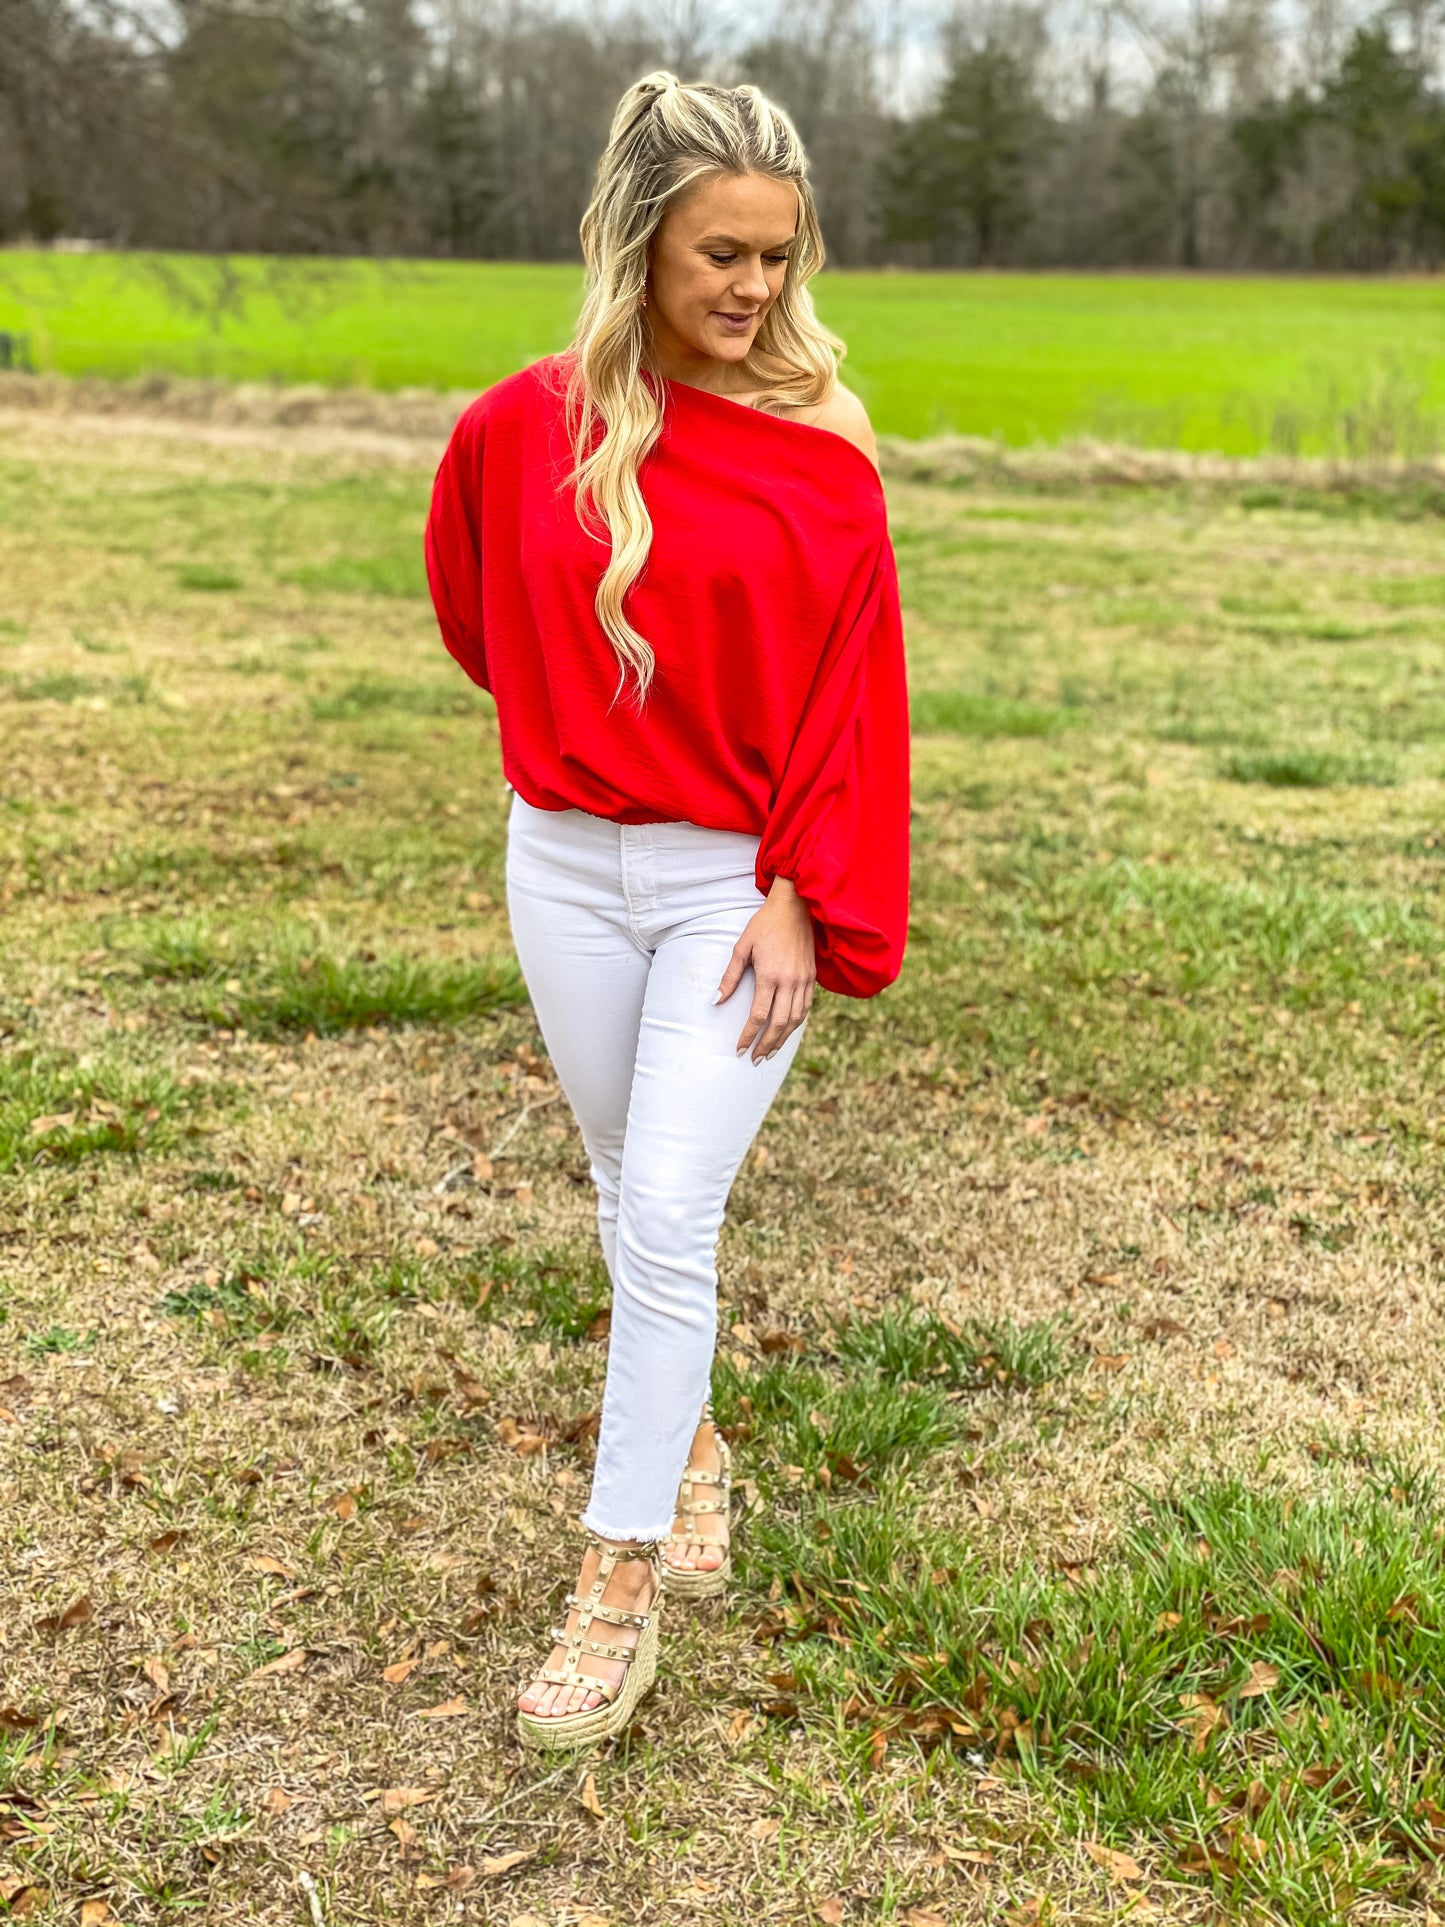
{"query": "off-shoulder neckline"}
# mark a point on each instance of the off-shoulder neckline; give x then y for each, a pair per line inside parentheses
(781, 421)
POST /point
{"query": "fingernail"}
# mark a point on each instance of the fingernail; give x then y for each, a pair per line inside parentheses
(772, 1054)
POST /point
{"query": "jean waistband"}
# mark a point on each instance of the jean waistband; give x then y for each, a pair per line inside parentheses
(677, 833)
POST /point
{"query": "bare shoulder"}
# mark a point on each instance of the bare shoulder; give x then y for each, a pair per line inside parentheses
(843, 413)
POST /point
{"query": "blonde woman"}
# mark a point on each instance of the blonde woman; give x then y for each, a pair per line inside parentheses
(666, 554)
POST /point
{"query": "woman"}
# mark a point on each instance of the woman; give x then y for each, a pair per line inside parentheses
(686, 497)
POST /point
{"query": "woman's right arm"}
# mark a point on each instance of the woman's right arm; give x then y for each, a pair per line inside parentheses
(454, 546)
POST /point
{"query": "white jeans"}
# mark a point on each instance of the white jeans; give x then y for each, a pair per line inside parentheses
(623, 931)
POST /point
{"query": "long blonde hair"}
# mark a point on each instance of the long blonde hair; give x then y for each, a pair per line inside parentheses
(666, 135)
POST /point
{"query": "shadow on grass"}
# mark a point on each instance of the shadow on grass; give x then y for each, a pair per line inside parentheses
(1309, 769)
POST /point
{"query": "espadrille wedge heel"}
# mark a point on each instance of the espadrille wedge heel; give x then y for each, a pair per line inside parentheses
(701, 1582)
(619, 1701)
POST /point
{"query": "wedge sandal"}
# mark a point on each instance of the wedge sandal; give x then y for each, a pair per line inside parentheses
(619, 1701)
(697, 1582)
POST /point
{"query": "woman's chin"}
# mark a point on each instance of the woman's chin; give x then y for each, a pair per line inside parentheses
(727, 346)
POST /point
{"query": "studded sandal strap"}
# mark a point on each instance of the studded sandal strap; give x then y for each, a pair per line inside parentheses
(621, 1616)
(614, 1615)
(559, 1676)
(592, 1607)
(609, 1553)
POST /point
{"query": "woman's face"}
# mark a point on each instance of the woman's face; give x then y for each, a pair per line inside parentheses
(718, 260)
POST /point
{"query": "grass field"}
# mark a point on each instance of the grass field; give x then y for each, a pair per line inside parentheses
(1082, 1326)
(1242, 364)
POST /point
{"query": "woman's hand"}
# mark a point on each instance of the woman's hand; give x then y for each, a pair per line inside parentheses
(778, 943)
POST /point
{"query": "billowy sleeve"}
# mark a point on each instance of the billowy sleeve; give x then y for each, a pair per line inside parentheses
(839, 824)
(454, 546)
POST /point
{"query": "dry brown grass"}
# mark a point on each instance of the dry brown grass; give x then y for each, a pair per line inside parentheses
(253, 1527)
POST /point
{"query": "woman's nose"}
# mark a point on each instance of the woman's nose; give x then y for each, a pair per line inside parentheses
(752, 286)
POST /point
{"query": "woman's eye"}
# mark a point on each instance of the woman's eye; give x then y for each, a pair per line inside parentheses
(721, 259)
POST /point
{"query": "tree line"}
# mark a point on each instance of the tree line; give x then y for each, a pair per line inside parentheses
(1019, 133)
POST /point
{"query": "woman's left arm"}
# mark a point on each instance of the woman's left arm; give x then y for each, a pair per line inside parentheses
(833, 859)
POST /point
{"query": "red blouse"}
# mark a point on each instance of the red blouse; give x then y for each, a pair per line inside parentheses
(779, 704)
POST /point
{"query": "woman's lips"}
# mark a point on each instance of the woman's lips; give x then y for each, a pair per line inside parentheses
(736, 323)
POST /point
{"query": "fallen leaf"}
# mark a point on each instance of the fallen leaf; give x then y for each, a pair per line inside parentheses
(291, 1662)
(406, 1835)
(396, 1799)
(1206, 1860)
(79, 1612)
(263, 1562)
(94, 1912)
(165, 1542)
(1201, 1720)
(400, 1670)
(500, 1863)
(1160, 1329)
(524, 1436)
(589, 1797)
(1118, 1866)
(1263, 1678)
(830, 1910)
(277, 1801)
(764, 1829)
(1382, 1684)
(448, 1710)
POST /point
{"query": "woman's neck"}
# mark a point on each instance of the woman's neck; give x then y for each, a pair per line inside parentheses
(718, 377)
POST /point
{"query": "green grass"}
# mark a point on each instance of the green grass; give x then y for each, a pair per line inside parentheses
(295, 985)
(390, 695)
(1244, 1692)
(956, 712)
(1309, 769)
(57, 1109)
(1236, 363)
(66, 686)
(199, 575)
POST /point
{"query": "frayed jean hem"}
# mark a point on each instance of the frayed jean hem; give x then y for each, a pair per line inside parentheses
(616, 1532)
